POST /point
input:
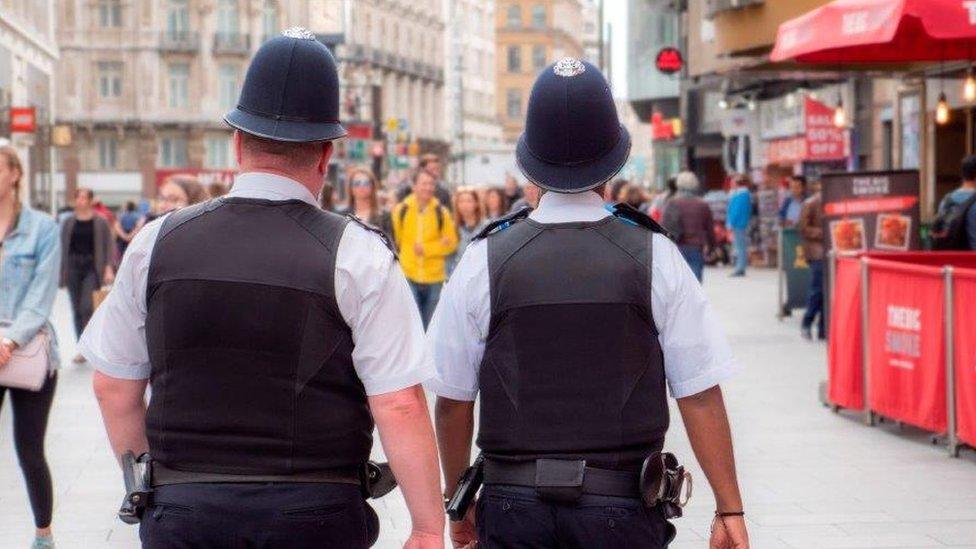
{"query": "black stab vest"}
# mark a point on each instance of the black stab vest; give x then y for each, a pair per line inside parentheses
(573, 368)
(251, 359)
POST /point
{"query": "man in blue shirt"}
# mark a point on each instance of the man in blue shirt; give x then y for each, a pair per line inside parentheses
(737, 220)
(959, 197)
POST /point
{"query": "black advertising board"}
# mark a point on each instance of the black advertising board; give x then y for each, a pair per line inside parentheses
(871, 211)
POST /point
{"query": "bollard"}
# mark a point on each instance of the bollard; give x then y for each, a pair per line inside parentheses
(865, 341)
(952, 440)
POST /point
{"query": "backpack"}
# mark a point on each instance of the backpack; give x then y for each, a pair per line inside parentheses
(949, 228)
(441, 212)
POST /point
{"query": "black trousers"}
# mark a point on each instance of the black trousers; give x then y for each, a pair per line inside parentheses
(31, 410)
(513, 517)
(266, 515)
(82, 282)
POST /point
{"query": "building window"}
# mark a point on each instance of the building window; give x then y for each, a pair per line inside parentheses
(538, 16)
(514, 59)
(108, 153)
(110, 13)
(178, 18)
(172, 152)
(513, 18)
(109, 80)
(218, 153)
(229, 78)
(269, 19)
(538, 57)
(513, 103)
(228, 19)
(179, 85)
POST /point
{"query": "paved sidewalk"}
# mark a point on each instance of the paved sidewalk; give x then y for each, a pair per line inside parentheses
(811, 478)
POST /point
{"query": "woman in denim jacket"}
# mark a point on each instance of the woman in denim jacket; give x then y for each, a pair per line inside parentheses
(30, 258)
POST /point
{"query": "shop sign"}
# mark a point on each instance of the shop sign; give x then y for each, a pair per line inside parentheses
(23, 120)
(665, 129)
(825, 141)
(872, 211)
(786, 151)
(204, 176)
(669, 61)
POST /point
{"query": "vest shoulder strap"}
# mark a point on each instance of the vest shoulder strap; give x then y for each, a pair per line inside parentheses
(179, 217)
(375, 230)
(503, 223)
(633, 216)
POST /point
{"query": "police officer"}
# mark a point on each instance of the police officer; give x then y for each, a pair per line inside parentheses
(273, 335)
(570, 323)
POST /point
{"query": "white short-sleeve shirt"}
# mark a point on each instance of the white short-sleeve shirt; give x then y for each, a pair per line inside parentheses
(372, 293)
(696, 352)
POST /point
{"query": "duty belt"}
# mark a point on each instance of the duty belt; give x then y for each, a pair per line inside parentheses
(163, 476)
(563, 479)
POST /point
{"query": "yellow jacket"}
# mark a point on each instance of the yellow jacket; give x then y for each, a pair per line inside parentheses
(438, 239)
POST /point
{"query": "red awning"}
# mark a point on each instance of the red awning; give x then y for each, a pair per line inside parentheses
(880, 31)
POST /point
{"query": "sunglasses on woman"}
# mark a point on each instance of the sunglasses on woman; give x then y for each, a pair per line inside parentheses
(361, 182)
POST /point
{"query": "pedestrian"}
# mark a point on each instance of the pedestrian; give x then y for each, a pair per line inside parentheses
(689, 219)
(810, 225)
(955, 224)
(789, 213)
(425, 237)
(551, 318)
(362, 190)
(126, 226)
(737, 218)
(635, 197)
(496, 203)
(275, 334)
(178, 192)
(430, 163)
(530, 199)
(87, 253)
(327, 198)
(30, 261)
(513, 191)
(660, 201)
(217, 189)
(617, 191)
(469, 220)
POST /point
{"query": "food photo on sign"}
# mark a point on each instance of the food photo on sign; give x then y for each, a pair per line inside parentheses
(872, 210)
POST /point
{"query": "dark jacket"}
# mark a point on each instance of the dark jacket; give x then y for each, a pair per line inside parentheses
(691, 219)
(811, 228)
(104, 246)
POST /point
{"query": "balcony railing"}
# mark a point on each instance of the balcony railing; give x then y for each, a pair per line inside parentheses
(233, 43)
(179, 41)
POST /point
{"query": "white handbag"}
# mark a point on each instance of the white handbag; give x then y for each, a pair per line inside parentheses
(29, 366)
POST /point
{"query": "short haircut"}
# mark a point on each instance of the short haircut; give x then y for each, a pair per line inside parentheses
(286, 152)
(427, 159)
(969, 168)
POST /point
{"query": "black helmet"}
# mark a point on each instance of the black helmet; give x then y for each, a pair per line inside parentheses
(291, 91)
(573, 140)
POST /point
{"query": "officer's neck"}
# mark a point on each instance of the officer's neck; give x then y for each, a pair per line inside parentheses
(311, 179)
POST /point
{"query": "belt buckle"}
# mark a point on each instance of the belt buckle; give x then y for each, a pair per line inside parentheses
(558, 480)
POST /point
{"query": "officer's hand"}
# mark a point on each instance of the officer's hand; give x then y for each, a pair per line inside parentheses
(463, 534)
(422, 540)
(5, 353)
(729, 533)
(418, 249)
(109, 275)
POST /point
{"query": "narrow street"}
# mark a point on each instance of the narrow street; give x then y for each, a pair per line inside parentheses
(810, 478)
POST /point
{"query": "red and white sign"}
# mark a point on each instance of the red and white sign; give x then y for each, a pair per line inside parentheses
(204, 176)
(825, 141)
(792, 150)
(669, 61)
(23, 120)
(964, 293)
(664, 129)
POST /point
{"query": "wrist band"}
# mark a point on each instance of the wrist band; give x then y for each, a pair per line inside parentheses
(723, 514)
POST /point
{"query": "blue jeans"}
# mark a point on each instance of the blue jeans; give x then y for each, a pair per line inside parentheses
(427, 296)
(740, 240)
(815, 299)
(696, 260)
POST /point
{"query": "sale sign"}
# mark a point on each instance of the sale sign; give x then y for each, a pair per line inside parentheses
(872, 211)
(824, 140)
(906, 370)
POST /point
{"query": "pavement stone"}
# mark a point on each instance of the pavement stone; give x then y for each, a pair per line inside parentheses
(811, 478)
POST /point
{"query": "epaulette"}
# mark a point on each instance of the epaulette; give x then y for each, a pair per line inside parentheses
(629, 214)
(373, 229)
(503, 223)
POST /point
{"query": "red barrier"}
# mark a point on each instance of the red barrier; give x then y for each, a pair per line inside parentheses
(845, 378)
(906, 373)
(964, 343)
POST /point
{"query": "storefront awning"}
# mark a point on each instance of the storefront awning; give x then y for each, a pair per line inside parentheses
(880, 31)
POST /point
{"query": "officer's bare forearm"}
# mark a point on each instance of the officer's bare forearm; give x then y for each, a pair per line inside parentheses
(711, 439)
(407, 435)
(123, 406)
(455, 427)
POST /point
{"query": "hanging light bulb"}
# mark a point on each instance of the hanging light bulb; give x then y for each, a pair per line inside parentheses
(942, 110)
(840, 115)
(723, 103)
(969, 88)
(751, 105)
